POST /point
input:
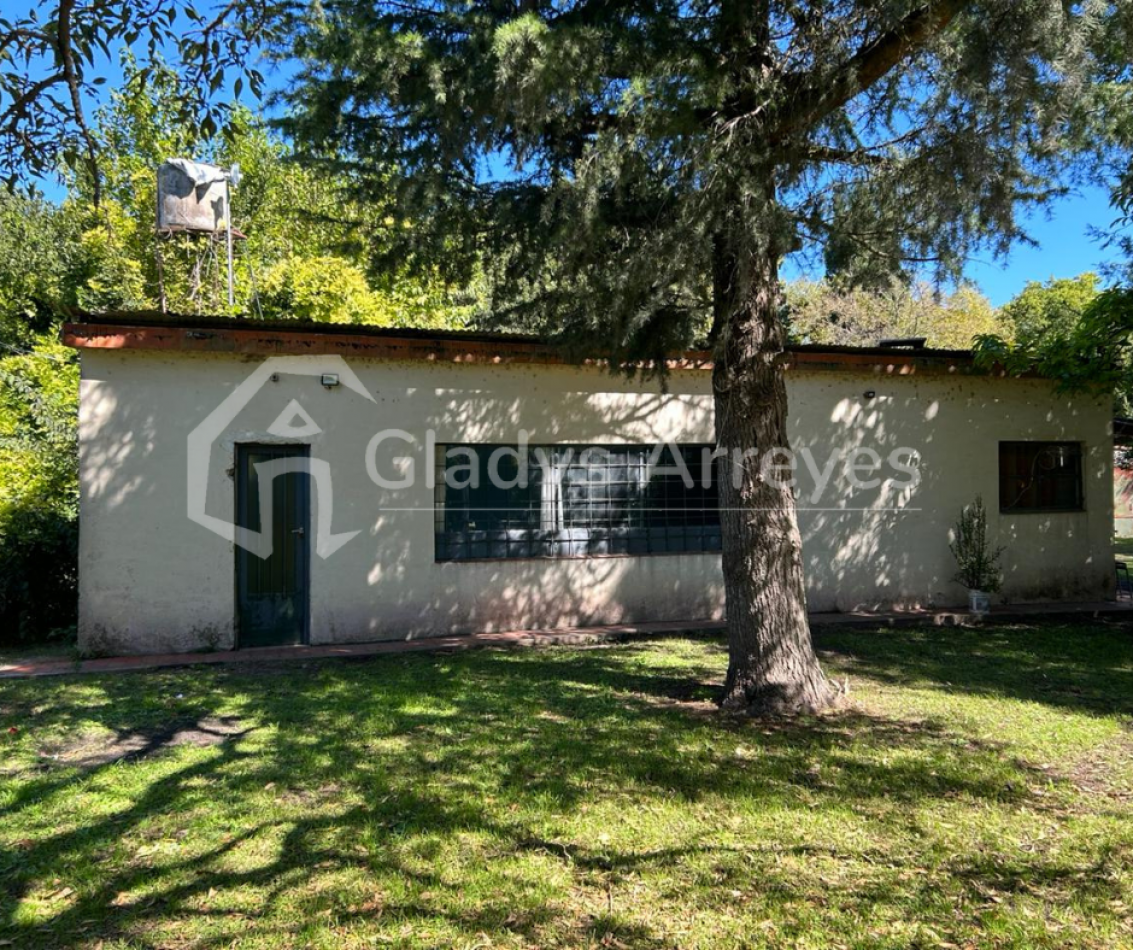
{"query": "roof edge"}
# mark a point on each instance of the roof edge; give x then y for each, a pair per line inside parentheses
(260, 338)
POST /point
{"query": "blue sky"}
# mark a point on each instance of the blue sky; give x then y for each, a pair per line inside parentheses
(1065, 246)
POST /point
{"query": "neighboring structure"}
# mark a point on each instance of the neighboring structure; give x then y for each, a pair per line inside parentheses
(176, 418)
(1123, 478)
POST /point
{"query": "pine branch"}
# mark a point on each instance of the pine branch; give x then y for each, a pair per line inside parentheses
(807, 103)
(842, 156)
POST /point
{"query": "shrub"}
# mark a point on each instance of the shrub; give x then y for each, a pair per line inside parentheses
(39, 561)
(325, 289)
(976, 560)
(38, 492)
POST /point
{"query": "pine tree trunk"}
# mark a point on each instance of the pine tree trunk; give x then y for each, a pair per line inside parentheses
(772, 666)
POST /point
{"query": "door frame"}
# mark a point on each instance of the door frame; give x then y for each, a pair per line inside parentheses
(299, 449)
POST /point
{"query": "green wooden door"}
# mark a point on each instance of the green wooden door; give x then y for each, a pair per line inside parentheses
(272, 592)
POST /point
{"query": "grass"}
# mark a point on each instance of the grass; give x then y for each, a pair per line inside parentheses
(977, 793)
(51, 650)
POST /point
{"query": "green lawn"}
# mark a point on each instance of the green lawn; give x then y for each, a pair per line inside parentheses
(978, 793)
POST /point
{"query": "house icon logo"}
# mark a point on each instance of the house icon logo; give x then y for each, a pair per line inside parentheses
(293, 423)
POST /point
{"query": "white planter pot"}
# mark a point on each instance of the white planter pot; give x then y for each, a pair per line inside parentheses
(979, 602)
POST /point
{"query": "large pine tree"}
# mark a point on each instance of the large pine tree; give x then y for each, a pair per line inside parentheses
(633, 172)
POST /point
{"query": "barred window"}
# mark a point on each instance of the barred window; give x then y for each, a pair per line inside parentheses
(1040, 476)
(574, 501)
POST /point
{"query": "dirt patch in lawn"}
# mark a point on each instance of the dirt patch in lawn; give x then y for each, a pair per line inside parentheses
(1108, 770)
(95, 749)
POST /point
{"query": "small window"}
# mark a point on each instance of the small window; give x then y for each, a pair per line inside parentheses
(1040, 476)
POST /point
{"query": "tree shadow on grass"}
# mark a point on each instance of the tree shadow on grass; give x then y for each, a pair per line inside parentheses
(374, 770)
(1081, 666)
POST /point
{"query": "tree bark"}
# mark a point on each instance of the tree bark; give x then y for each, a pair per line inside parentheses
(772, 668)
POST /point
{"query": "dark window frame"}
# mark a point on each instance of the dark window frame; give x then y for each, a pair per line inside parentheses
(1028, 485)
(616, 515)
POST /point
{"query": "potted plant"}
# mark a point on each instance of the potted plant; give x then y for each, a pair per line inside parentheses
(976, 560)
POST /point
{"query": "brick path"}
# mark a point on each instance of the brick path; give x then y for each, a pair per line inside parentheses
(577, 636)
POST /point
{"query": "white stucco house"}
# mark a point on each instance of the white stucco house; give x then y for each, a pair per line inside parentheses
(247, 483)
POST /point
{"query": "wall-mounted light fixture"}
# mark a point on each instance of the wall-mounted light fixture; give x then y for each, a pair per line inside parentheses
(329, 380)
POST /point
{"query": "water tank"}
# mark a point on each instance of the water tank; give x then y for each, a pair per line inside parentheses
(191, 196)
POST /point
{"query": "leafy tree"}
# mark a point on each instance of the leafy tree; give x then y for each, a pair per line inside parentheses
(39, 494)
(629, 172)
(328, 289)
(49, 257)
(1051, 307)
(54, 57)
(1093, 352)
(335, 290)
(37, 253)
(831, 312)
(1073, 332)
(38, 406)
(57, 257)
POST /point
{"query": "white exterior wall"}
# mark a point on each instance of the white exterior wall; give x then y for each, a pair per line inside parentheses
(151, 580)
